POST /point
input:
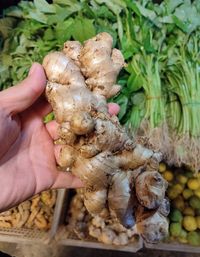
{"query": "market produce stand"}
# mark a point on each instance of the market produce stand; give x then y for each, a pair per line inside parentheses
(57, 236)
(159, 99)
(63, 240)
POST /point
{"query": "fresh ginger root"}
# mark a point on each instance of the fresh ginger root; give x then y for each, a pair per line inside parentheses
(106, 229)
(118, 174)
(101, 227)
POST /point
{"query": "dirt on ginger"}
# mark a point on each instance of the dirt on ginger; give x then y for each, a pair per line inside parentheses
(118, 174)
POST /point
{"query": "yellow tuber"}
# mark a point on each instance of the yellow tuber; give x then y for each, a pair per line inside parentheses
(34, 213)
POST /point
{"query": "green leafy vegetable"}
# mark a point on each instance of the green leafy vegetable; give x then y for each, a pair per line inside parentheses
(83, 29)
(160, 44)
(44, 6)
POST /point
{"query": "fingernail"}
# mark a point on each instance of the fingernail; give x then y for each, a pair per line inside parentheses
(113, 108)
(33, 69)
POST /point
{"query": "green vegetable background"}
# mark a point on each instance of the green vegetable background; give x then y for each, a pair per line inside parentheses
(160, 43)
(160, 83)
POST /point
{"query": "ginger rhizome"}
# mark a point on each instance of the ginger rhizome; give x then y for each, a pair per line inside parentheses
(106, 229)
(118, 174)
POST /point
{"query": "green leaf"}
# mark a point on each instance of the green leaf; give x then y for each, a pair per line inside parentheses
(44, 6)
(114, 5)
(6, 60)
(196, 3)
(49, 117)
(88, 11)
(14, 11)
(186, 17)
(135, 82)
(38, 16)
(65, 2)
(83, 29)
(6, 24)
(62, 13)
(63, 31)
(148, 46)
(146, 12)
(122, 100)
(9, 44)
(182, 25)
(172, 4)
(21, 72)
(26, 7)
(133, 6)
(165, 19)
(129, 68)
(135, 118)
(4, 76)
(128, 49)
(130, 27)
(138, 99)
(122, 81)
(49, 34)
(120, 28)
(104, 12)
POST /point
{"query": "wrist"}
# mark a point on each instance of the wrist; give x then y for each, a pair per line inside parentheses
(13, 188)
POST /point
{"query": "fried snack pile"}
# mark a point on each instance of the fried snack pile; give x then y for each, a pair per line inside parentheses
(35, 213)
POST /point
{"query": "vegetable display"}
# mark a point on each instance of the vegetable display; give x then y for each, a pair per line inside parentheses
(36, 213)
(118, 174)
(160, 43)
(159, 96)
(184, 195)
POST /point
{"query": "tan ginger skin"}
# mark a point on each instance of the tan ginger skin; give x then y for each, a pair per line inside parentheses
(95, 147)
(106, 229)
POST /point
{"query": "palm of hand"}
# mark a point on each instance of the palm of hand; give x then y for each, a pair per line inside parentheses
(27, 151)
(30, 150)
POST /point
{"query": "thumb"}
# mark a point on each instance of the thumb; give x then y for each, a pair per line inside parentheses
(20, 97)
(67, 180)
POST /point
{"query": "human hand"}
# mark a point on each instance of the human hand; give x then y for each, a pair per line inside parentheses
(27, 151)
